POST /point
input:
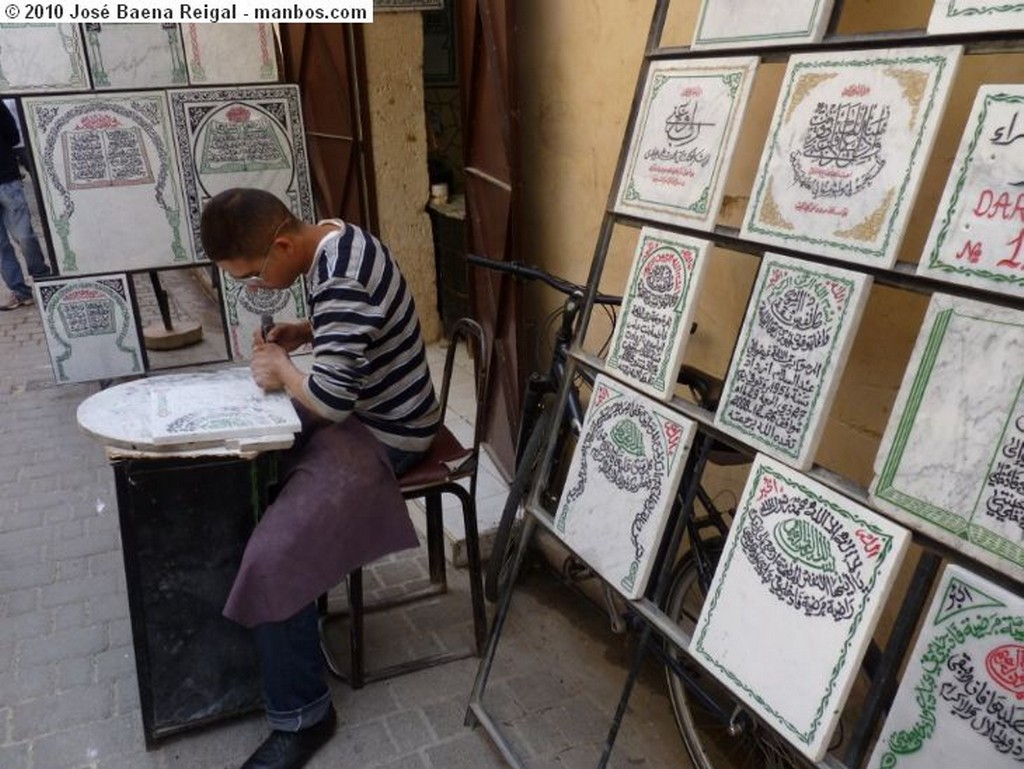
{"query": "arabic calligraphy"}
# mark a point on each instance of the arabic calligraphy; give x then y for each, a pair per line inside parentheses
(989, 712)
(842, 149)
(1006, 135)
(1003, 496)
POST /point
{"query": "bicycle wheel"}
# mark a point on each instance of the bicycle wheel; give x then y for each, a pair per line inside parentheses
(708, 740)
(506, 538)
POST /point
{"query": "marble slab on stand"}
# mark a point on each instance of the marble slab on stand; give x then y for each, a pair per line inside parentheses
(951, 462)
(977, 238)
(741, 23)
(951, 16)
(621, 484)
(790, 356)
(683, 140)
(658, 304)
(109, 159)
(241, 137)
(243, 307)
(36, 58)
(848, 146)
(135, 55)
(90, 327)
(230, 53)
(959, 701)
(795, 599)
(232, 407)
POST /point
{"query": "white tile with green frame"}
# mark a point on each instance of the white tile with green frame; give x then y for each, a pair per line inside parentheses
(135, 55)
(745, 23)
(951, 16)
(37, 58)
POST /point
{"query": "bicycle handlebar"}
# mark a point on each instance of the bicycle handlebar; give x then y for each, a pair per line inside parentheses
(528, 272)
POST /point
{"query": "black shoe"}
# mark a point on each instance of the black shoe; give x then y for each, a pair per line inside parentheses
(290, 750)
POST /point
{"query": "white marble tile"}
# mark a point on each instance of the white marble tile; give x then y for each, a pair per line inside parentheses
(977, 237)
(683, 140)
(35, 58)
(244, 306)
(959, 701)
(219, 54)
(795, 599)
(951, 463)
(108, 159)
(90, 328)
(741, 23)
(848, 145)
(232, 406)
(621, 484)
(790, 356)
(950, 16)
(658, 304)
(241, 137)
(135, 55)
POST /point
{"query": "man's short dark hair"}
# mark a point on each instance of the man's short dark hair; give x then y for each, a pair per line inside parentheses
(240, 223)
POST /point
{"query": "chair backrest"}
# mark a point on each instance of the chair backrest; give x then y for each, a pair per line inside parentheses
(472, 333)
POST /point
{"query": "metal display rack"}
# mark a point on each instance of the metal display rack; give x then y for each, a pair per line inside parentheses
(902, 276)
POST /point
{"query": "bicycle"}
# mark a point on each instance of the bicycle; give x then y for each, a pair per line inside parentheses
(710, 720)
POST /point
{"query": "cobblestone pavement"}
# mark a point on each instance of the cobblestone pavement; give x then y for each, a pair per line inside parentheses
(68, 692)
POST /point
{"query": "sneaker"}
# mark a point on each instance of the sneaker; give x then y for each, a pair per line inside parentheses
(16, 302)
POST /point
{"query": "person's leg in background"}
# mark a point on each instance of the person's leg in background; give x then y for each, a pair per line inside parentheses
(18, 221)
(10, 271)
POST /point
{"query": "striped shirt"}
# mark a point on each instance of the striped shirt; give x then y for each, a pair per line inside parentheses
(369, 358)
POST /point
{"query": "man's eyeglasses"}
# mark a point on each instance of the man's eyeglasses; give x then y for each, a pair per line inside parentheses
(256, 281)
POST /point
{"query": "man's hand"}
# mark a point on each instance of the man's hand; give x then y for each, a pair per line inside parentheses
(270, 365)
(287, 336)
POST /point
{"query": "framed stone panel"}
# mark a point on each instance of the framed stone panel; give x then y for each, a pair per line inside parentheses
(621, 484)
(794, 601)
(742, 23)
(109, 181)
(220, 54)
(977, 238)
(848, 145)
(951, 462)
(951, 16)
(791, 353)
(241, 137)
(35, 58)
(243, 307)
(958, 704)
(683, 140)
(135, 55)
(657, 309)
(90, 327)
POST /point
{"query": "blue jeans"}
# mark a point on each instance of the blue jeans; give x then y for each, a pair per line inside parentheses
(294, 690)
(16, 222)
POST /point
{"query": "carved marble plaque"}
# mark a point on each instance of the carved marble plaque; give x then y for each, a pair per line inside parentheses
(846, 151)
(792, 349)
(241, 137)
(959, 702)
(657, 309)
(975, 16)
(683, 140)
(109, 180)
(740, 23)
(978, 235)
(226, 407)
(621, 484)
(794, 601)
(244, 306)
(90, 328)
(135, 55)
(230, 53)
(35, 58)
(951, 463)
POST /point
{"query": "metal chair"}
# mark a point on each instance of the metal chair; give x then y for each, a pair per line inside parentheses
(438, 473)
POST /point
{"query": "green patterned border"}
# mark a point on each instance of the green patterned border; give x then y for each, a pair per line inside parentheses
(952, 209)
(748, 326)
(735, 534)
(939, 62)
(958, 525)
(952, 11)
(798, 34)
(733, 78)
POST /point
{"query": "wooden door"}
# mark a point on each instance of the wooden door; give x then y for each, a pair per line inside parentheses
(487, 83)
(327, 61)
